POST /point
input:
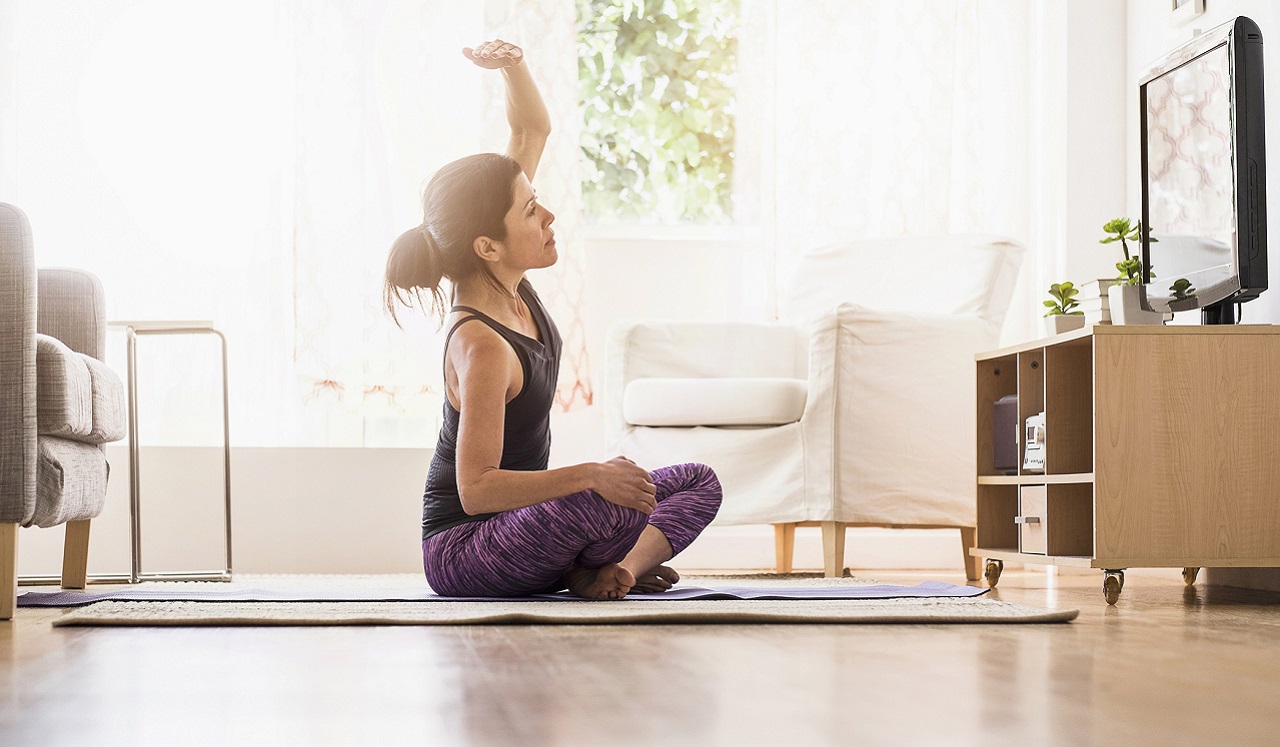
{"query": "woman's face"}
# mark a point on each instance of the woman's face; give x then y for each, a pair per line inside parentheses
(530, 242)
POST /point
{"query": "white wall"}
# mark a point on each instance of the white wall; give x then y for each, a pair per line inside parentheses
(1095, 143)
(1077, 148)
(298, 510)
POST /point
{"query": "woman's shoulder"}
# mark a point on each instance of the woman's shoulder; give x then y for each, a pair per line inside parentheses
(471, 331)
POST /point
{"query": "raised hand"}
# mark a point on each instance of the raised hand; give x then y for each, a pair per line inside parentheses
(496, 54)
(624, 483)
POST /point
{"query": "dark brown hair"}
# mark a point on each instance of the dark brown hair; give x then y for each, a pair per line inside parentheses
(465, 200)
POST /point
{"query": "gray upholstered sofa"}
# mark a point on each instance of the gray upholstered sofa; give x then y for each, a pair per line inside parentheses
(59, 403)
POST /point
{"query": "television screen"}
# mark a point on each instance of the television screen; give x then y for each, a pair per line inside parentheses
(1202, 163)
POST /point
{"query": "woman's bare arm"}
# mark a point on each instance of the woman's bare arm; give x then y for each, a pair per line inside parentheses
(526, 113)
(488, 375)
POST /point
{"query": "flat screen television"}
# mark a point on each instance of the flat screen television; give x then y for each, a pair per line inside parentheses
(1204, 175)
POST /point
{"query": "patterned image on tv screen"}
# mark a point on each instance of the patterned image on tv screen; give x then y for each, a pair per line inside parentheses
(1190, 172)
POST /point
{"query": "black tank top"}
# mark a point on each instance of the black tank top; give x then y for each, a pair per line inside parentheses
(526, 437)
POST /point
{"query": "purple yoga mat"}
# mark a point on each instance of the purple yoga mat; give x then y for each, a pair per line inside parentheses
(187, 594)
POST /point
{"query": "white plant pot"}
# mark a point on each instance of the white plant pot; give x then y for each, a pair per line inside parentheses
(1056, 324)
(1125, 303)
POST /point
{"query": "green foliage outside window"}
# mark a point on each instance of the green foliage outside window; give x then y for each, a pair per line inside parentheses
(656, 79)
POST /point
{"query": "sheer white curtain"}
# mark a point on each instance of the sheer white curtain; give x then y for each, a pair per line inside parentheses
(381, 97)
(249, 162)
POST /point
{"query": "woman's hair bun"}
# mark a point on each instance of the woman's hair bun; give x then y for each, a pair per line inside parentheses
(413, 266)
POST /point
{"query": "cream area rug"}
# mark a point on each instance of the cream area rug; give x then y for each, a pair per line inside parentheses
(651, 610)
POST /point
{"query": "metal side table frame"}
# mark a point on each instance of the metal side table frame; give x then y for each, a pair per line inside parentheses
(134, 329)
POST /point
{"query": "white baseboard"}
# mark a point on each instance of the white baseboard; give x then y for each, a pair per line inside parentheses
(310, 510)
(1266, 579)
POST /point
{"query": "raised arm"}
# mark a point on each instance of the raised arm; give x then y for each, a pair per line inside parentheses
(526, 113)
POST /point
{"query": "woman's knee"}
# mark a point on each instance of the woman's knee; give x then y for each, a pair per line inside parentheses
(592, 509)
(705, 481)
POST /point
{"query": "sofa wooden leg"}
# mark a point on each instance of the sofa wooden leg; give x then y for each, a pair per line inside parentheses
(968, 541)
(784, 545)
(75, 555)
(833, 548)
(8, 570)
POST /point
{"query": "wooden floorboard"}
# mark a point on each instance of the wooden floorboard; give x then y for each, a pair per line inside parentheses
(1168, 665)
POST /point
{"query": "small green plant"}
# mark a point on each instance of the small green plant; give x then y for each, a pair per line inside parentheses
(1182, 290)
(1121, 230)
(1062, 299)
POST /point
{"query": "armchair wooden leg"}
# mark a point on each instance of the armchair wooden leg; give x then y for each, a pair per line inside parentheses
(833, 548)
(784, 543)
(968, 541)
(75, 555)
(8, 570)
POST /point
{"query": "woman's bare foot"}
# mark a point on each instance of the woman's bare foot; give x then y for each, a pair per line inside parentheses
(610, 581)
(657, 580)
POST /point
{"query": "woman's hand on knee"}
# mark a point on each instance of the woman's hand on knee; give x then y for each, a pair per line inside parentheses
(622, 482)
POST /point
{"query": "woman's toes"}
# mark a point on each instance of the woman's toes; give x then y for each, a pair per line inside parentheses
(624, 577)
(667, 574)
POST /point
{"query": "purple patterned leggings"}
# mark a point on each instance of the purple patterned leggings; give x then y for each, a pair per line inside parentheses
(527, 550)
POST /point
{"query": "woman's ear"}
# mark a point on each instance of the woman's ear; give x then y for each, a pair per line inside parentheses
(486, 248)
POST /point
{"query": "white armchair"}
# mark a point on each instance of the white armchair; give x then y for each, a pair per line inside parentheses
(856, 409)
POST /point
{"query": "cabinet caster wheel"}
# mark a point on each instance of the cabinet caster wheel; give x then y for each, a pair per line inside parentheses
(1189, 575)
(994, 567)
(1112, 583)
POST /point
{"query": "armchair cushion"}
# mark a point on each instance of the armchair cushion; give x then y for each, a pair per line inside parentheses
(966, 274)
(77, 396)
(714, 401)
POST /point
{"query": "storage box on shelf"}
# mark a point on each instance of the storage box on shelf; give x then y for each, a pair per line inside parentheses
(1156, 452)
(1093, 301)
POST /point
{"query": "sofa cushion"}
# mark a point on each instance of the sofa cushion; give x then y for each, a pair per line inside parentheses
(64, 391)
(714, 401)
(954, 274)
(71, 481)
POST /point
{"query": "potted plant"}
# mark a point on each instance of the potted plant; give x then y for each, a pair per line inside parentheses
(1119, 229)
(1124, 295)
(1063, 315)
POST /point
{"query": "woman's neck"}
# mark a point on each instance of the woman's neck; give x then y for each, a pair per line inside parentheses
(497, 299)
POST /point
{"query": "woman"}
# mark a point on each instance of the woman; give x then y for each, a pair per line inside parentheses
(495, 520)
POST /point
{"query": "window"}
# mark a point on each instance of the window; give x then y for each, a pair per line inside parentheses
(658, 97)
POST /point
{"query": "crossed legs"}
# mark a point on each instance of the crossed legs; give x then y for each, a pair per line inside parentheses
(582, 542)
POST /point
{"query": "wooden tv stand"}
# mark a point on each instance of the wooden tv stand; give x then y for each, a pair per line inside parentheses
(1159, 451)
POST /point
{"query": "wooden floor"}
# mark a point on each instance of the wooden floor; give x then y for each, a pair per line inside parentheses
(1168, 665)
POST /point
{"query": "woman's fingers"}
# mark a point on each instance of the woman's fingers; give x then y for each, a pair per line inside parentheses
(650, 500)
(643, 502)
(632, 485)
(650, 494)
(494, 52)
